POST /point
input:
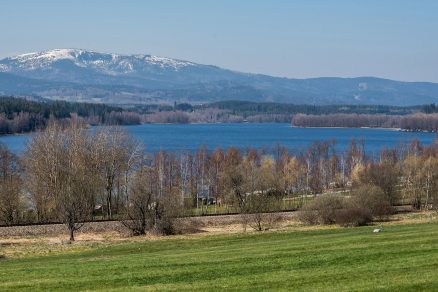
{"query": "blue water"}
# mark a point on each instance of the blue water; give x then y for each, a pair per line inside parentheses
(191, 137)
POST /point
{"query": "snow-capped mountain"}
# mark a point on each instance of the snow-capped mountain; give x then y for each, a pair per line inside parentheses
(81, 66)
(84, 75)
(105, 63)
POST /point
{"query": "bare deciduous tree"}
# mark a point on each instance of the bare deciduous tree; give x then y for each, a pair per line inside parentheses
(69, 182)
(115, 154)
(10, 187)
(138, 215)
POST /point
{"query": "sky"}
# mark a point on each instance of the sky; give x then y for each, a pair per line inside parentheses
(395, 39)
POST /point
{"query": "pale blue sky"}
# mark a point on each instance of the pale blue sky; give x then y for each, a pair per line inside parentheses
(396, 39)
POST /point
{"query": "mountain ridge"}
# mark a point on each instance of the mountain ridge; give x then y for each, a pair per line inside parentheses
(84, 75)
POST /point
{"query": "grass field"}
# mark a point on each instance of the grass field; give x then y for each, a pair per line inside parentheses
(402, 257)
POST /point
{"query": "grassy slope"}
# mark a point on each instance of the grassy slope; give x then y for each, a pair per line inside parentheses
(403, 257)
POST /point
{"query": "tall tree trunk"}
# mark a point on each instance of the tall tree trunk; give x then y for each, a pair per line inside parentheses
(72, 237)
(108, 205)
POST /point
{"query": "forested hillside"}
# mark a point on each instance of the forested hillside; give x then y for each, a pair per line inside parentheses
(18, 115)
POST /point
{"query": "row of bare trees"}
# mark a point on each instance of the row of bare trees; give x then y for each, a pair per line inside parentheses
(412, 122)
(212, 115)
(20, 122)
(208, 115)
(74, 175)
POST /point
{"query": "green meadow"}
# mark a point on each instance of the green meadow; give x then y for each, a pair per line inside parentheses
(400, 258)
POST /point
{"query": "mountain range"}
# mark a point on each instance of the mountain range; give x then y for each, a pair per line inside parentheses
(81, 75)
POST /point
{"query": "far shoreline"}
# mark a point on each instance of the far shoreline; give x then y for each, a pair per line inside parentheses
(235, 123)
(373, 128)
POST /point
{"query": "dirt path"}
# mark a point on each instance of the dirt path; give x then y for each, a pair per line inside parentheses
(114, 226)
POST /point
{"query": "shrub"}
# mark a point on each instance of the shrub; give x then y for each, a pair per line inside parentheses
(385, 176)
(373, 198)
(260, 208)
(366, 202)
(352, 215)
(322, 210)
(308, 216)
(166, 213)
(165, 226)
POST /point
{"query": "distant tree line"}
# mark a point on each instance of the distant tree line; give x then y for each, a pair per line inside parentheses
(152, 108)
(430, 108)
(417, 121)
(71, 175)
(260, 112)
(57, 109)
(23, 115)
(208, 115)
(247, 108)
(18, 115)
(412, 122)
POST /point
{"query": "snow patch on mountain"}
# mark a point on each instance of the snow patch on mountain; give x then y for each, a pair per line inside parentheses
(107, 63)
(167, 62)
(32, 61)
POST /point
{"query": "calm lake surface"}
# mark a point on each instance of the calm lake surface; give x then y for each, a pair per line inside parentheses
(190, 137)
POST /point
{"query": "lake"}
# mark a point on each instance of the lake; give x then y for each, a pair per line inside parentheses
(189, 137)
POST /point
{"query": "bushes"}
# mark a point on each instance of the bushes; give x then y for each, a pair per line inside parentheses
(365, 203)
(165, 226)
(322, 210)
(260, 211)
(147, 210)
(373, 199)
(153, 218)
(352, 215)
(384, 175)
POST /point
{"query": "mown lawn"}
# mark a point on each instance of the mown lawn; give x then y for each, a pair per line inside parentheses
(401, 258)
